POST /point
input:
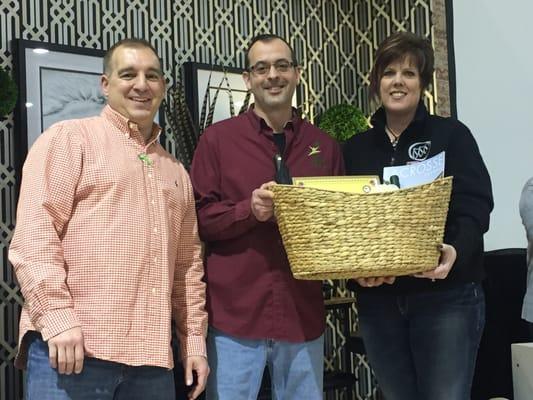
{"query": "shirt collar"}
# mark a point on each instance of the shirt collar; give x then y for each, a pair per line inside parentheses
(125, 125)
(379, 120)
(260, 125)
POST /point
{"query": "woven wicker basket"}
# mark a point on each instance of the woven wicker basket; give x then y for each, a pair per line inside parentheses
(334, 235)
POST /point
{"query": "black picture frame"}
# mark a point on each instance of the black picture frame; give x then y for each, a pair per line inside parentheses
(50, 78)
(195, 78)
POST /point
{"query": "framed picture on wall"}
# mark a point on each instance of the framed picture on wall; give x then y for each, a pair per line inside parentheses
(197, 76)
(56, 82)
(196, 79)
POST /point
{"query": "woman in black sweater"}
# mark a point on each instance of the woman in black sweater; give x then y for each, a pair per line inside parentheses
(422, 332)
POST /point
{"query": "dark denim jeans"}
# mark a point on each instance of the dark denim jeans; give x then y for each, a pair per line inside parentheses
(423, 346)
(99, 380)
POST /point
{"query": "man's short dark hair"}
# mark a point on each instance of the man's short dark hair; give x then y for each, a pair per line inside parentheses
(266, 37)
(397, 47)
(131, 43)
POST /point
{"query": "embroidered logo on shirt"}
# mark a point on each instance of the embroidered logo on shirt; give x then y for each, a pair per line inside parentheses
(315, 154)
(419, 151)
(314, 150)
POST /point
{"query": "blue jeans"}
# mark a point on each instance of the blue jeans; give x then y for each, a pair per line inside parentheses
(237, 365)
(99, 380)
(423, 346)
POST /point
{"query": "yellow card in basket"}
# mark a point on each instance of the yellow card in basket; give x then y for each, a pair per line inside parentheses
(351, 184)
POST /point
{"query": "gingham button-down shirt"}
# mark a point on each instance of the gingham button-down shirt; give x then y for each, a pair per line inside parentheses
(106, 239)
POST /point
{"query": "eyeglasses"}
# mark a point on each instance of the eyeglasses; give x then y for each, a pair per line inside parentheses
(263, 68)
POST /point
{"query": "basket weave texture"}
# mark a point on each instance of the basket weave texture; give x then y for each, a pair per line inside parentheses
(336, 235)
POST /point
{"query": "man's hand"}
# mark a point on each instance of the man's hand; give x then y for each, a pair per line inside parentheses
(447, 259)
(375, 281)
(66, 351)
(198, 364)
(262, 203)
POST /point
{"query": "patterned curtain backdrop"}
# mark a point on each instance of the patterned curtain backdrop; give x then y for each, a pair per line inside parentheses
(334, 41)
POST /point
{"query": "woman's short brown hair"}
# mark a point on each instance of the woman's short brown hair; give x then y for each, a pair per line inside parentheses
(397, 47)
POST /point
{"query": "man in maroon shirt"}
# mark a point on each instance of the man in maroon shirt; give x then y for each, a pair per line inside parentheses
(258, 313)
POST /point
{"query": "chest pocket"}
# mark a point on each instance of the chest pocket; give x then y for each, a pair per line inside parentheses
(173, 199)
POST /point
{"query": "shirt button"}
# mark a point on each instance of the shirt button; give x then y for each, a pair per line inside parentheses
(155, 259)
(155, 230)
(153, 202)
(154, 290)
(127, 135)
(149, 175)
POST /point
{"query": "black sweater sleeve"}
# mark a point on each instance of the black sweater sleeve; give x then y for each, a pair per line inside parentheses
(471, 201)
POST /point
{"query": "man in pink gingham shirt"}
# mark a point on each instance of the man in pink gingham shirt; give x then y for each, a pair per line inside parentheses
(106, 249)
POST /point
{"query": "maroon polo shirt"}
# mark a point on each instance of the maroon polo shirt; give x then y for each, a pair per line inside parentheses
(251, 292)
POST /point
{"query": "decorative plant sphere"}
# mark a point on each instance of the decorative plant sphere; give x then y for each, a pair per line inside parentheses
(8, 93)
(342, 121)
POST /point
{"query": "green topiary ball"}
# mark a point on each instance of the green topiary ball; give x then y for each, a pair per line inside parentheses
(342, 121)
(8, 93)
